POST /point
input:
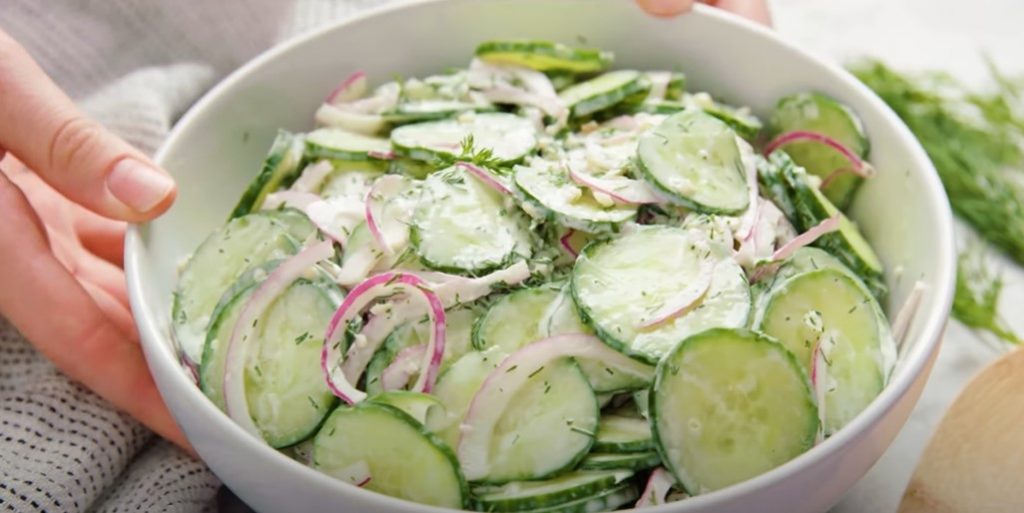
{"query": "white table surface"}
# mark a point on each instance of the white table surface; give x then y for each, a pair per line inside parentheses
(919, 34)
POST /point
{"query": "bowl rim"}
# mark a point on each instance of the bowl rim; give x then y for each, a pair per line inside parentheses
(159, 350)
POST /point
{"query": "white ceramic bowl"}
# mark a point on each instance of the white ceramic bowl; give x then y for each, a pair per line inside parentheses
(216, 148)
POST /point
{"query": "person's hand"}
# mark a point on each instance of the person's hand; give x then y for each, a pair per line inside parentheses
(756, 10)
(66, 188)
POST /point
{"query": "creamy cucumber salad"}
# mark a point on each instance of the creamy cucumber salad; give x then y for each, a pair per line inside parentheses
(538, 284)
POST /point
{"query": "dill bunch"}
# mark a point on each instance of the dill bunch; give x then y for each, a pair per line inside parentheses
(976, 303)
(973, 139)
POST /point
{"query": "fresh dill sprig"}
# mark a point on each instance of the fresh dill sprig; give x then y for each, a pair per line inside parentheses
(976, 303)
(973, 139)
(468, 152)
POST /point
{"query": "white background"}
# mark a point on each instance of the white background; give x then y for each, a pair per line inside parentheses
(919, 34)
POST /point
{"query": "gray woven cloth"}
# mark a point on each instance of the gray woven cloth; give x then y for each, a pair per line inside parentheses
(136, 66)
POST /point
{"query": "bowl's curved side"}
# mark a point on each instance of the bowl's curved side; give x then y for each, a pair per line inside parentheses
(905, 214)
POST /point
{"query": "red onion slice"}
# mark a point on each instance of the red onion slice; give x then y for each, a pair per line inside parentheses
(388, 231)
(350, 89)
(857, 166)
(686, 299)
(360, 123)
(504, 382)
(406, 363)
(358, 299)
(239, 344)
(486, 177)
(621, 190)
(659, 484)
(566, 244)
(804, 239)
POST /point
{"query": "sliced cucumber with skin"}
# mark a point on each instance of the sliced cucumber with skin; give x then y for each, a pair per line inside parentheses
(847, 243)
(530, 495)
(830, 307)
(741, 120)
(514, 320)
(431, 110)
(351, 180)
(696, 160)
(547, 189)
(416, 405)
(410, 167)
(242, 244)
(561, 316)
(618, 283)
(280, 168)
(297, 223)
(287, 397)
(729, 405)
(634, 461)
(608, 500)
(816, 112)
(544, 56)
(546, 428)
(603, 92)
(404, 459)
(507, 136)
(455, 389)
(617, 434)
(463, 227)
(337, 144)
(773, 185)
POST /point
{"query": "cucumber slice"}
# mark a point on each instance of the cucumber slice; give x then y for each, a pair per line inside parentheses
(242, 244)
(771, 173)
(635, 461)
(530, 495)
(455, 389)
(287, 396)
(561, 316)
(697, 161)
(642, 401)
(514, 320)
(544, 56)
(829, 306)
(618, 283)
(416, 405)
(816, 112)
(351, 180)
(741, 120)
(604, 91)
(507, 136)
(410, 167)
(546, 428)
(617, 434)
(431, 110)
(297, 223)
(424, 470)
(729, 405)
(464, 227)
(280, 168)
(549, 193)
(847, 243)
(608, 500)
(334, 143)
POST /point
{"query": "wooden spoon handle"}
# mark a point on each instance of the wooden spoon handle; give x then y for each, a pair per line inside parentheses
(974, 462)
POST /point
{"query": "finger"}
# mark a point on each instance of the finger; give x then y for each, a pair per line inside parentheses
(665, 8)
(62, 321)
(85, 266)
(101, 236)
(117, 312)
(78, 157)
(756, 10)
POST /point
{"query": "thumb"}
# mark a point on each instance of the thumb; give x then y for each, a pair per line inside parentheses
(79, 158)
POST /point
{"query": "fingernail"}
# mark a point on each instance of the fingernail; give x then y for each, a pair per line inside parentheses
(140, 186)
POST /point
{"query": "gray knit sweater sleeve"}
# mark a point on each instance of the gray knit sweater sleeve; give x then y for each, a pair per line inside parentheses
(136, 66)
